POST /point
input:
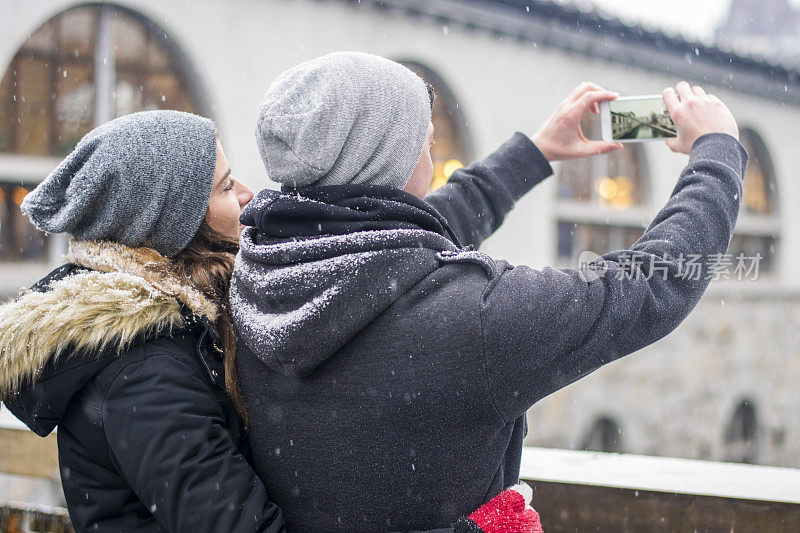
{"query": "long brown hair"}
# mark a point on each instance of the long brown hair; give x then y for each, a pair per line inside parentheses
(207, 265)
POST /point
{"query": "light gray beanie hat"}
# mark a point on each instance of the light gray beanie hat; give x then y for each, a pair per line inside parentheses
(346, 117)
(142, 180)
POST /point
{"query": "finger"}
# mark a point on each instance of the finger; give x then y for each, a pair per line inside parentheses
(714, 98)
(599, 148)
(699, 91)
(673, 145)
(684, 91)
(592, 98)
(670, 98)
(581, 89)
(595, 109)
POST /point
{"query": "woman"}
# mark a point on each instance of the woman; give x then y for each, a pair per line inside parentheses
(128, 348)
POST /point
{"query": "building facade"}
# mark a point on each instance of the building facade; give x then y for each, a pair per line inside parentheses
(765, 28)
(721, 387)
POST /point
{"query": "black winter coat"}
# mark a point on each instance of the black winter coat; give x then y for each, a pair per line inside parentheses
(147, 438)
(410, 362)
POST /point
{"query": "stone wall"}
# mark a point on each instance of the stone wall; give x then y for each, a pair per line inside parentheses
(678, 397)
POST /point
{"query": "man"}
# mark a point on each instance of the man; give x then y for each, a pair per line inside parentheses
(387, 366)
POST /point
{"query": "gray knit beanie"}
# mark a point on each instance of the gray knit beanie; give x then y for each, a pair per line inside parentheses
(347, 117)
(142, 180)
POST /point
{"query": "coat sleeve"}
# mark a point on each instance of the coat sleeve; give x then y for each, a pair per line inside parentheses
(475, 199)
(544, 329)
(166, 432)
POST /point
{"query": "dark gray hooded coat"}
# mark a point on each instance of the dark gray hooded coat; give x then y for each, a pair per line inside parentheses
(387, 371)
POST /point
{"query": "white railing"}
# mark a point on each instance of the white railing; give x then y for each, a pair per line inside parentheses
(662, 474)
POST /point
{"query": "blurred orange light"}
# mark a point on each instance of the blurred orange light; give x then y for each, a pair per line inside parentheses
(451, 166)
(607, 188)
(623, 200)
(19, 194)
(624, 183)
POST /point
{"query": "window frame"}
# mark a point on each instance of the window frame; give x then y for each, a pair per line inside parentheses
(762, 225)
(741, 434)
(636, 217)
(31, 169)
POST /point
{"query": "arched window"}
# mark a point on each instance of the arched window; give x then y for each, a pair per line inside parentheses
(758, 229)
(740, 436)
(452, 147)
(605, 436)
(602, 200)
(83, 67)
(19, 240)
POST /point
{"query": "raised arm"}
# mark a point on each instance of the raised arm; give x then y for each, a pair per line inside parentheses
(475, 199)
(544, 329)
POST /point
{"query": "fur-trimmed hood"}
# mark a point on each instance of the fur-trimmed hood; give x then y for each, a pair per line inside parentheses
(106, 298)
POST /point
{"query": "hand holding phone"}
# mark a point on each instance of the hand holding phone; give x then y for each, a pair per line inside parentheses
(677, 117)
(561, 137)
(696, 113)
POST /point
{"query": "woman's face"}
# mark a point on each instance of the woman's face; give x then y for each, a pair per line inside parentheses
(228, 198)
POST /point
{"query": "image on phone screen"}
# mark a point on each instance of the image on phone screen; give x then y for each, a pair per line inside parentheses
(640, 118)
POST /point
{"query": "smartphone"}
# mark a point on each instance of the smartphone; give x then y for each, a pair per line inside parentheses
(636, 119)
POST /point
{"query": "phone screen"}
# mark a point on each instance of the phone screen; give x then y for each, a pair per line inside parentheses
(640, 118)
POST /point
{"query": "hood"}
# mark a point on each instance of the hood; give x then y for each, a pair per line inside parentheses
(317, 265)
(57, 335)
